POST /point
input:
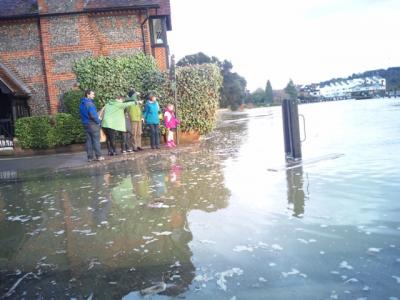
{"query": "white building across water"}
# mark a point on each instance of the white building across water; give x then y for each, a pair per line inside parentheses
(366, 87)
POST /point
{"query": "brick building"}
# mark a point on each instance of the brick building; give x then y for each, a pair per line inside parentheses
(41, 39)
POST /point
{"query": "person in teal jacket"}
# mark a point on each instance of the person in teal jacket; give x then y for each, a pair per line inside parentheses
(113, 122)
(151, 119)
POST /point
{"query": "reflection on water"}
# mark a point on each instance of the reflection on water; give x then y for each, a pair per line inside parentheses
(295, 190)
(226, 219)
(114, 231)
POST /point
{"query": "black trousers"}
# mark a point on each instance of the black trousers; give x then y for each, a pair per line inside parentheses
(154, 135)
(112, 135)
(127, 141)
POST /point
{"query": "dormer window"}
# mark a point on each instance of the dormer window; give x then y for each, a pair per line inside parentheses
(157, 31)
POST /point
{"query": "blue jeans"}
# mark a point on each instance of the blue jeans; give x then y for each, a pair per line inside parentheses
(154, 135)
(92, 140)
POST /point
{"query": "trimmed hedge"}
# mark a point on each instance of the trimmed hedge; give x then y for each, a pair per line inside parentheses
(110, 76)
(43, 132)
(198, 93)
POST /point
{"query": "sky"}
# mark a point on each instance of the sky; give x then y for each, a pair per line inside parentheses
(307, 41)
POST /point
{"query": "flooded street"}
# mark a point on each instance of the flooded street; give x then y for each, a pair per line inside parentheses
(225, 219)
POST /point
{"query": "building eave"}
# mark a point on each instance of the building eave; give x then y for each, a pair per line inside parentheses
(84, 11)
(12, 82)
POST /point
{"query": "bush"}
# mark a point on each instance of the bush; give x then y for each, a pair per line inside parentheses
(109, 76)
(71, 100)
(198, 93)
(67, 129)
(198, 86)
(35, 132)
(48, 131)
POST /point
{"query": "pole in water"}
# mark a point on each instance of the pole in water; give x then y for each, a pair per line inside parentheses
(291, 131)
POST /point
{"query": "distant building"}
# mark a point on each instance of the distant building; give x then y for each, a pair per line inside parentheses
(366, 87)
(353, 88)
(41, 39)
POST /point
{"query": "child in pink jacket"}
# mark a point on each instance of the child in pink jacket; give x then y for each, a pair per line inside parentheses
(171, 122)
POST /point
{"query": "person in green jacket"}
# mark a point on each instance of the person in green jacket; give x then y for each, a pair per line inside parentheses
(113, 122)
(135, 114)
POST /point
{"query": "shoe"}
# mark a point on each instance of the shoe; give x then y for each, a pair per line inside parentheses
(100, 158)
(157, 147)
(110, 154)
(124, 152)
(139, 149)
(130, 151)
(90, 159)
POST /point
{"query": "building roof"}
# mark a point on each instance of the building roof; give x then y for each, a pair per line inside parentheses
(11, 83)
(18, 7)
(11, 9)
(164, 5)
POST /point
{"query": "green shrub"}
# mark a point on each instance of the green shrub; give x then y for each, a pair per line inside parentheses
(65, 129)
(109, 76)
(71, 100)
(48, 131)
(35, 132)
(198, 86)
(198, 93)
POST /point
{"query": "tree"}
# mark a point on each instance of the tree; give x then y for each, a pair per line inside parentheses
(258, 97)
(269, 94)
(233, 92)
(291, 90)
(198, 59)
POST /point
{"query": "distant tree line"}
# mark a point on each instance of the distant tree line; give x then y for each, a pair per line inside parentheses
(261, 97)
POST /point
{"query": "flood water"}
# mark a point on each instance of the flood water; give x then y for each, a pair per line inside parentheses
(225, 219)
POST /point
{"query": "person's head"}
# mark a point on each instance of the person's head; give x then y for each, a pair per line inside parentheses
(131, 93)
(89, 94)
(152, 97)
(170, 106)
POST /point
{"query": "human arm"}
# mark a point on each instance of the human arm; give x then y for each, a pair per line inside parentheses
(124, 105)
(92, 113)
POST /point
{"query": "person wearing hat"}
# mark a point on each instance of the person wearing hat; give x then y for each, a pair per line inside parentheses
(113, 121)
(135, 115)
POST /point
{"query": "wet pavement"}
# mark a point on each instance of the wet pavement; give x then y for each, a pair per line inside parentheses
(226, 218)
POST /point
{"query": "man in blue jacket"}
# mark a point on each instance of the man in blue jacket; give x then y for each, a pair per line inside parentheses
(91, 124)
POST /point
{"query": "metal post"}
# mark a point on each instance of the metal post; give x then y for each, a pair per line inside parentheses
(291, 131)
(174, 89)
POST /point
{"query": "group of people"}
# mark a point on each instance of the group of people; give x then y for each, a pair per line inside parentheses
(123, 118)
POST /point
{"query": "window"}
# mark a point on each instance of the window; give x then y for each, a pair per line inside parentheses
(157, 31)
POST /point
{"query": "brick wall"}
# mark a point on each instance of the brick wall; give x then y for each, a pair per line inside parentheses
(20, 50)
(42, 52)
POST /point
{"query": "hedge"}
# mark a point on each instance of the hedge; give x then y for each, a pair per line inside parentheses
(43, 132)
(71, 102)
(110, 76)
(198, 92)
(198, 86)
